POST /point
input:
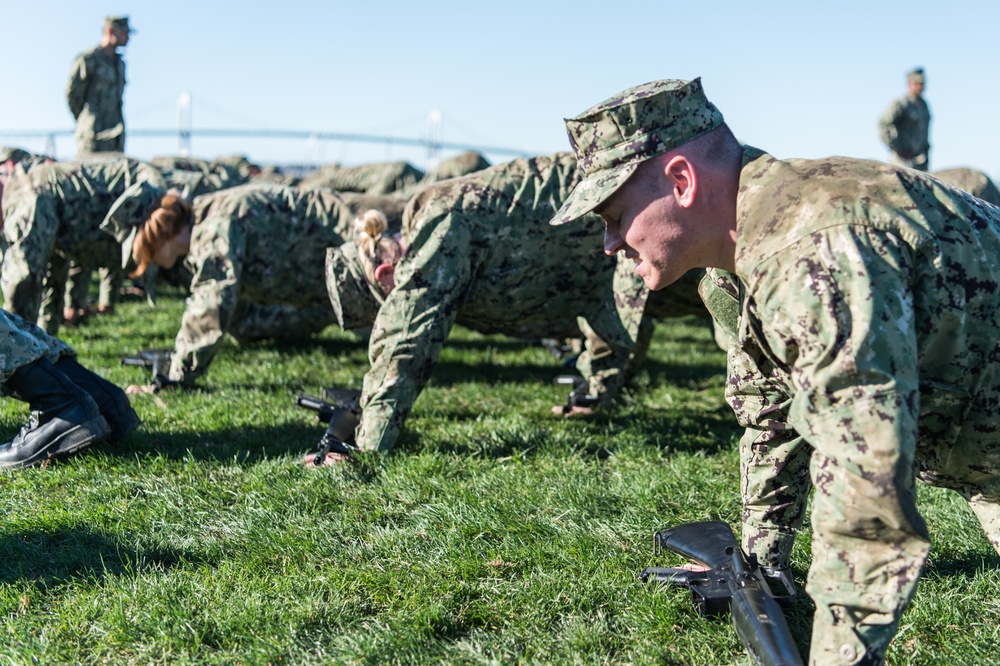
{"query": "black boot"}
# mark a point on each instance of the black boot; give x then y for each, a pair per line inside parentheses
(110, 399)
(64, 418)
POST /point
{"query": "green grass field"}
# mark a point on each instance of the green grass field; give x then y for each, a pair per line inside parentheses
(496, 534)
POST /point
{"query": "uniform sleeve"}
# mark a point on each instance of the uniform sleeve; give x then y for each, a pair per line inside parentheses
(76, 88)
(838, 314)
(887, 126)
(412, 326)
(217, 255)
(615, 321)
(774, 460)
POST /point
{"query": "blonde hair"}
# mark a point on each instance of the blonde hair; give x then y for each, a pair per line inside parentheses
(374, 248)
(168, 220)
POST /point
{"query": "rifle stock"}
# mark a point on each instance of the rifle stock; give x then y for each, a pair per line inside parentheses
(157, 360)
(734, 583)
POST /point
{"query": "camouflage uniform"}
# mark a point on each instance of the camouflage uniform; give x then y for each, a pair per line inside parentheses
(94, 94)
(904, 128)
(459, 165)
(193, 177)
(480, 252)
(379, 178)
(863, 319)
(865, 354)
(973, 181)
(260, 245)
(189, 177)
(21, 343)
(26, 160)
(52, 215)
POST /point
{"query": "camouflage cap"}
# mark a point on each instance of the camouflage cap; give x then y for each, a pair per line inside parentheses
(613, 138)
(120, 22)
(354, 301)
(916, 75)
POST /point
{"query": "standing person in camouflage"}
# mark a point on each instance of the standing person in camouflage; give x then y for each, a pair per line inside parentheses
(71, 407)
(95, 89)
(864, 306)
(479, 251)
(52, 215)
(253, 245)
(905, 125)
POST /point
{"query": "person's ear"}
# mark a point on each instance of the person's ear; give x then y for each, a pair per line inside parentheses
(681, 173)
(385, 275)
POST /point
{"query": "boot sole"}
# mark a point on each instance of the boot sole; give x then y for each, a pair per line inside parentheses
(74, 439)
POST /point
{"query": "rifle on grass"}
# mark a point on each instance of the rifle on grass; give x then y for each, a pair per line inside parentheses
(579, 395)
(341, 410)
(157, 360)
(734, 583)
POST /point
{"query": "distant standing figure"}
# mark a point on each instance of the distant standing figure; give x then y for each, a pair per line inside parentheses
(95, 89)
(905, 125)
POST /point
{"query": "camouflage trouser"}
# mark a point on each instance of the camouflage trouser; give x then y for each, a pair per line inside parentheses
(87, 144)
(676, 300)
(77, 287)
(279, 322)
(21, 343)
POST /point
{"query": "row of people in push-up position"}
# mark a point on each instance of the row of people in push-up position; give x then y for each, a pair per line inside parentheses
(268, 261)
(859, 304)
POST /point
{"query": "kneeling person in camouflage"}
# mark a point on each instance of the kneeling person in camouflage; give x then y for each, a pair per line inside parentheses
(71, 407)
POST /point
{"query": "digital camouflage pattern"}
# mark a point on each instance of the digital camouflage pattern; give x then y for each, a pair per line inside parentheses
(265, 245)
(865, 354)
(21, 343)
(193, 177)
(480, 252)
(905, 129)
(187, 176)
(973, 181)
(241, 163)
(377, 178)
(52, 216)
(94, 94)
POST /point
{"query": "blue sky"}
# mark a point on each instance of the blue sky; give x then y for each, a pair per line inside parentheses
(797, 79)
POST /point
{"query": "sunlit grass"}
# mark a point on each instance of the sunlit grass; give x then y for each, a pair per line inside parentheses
(498, 533)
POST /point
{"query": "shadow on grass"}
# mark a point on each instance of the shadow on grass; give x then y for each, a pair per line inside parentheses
(333, 347)
(68, 552)
(453, 373)
(968, 566)
(222, 444)
(687, 375)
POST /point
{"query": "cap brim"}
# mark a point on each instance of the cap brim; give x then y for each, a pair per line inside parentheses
(592, 191)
